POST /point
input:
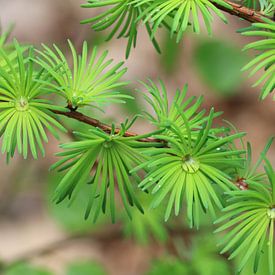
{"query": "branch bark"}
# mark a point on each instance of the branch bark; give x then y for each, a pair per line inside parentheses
(243, 12)
(96, 123)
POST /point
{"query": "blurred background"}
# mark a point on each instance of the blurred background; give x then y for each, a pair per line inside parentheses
(38, 237)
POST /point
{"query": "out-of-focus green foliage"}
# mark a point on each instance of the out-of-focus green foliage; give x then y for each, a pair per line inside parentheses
(198, 258)
(26, 269)
(170, 58)
(144, 227)
(85, 268)
(169, 265)
(70, 215)
(132, 107)
(218, 64)
(205, 258)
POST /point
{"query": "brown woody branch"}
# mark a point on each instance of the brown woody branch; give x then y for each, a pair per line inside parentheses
(96, 123)
(243, 12)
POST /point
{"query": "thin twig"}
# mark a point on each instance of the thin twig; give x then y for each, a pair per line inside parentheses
(96, 123)
(242, 12)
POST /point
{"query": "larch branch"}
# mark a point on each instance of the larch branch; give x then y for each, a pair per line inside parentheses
(243, 12)
(96, 123)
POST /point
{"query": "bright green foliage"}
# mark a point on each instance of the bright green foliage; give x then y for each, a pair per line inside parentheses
(8, 48)
(23, 114)
(251, 215)
(266, 58)
(174, 15)
(178, 14)
(149, 224)
(192, 165)
(125, 18)
(248, 176)
(90, 81)
(108, 157)
(164, 115)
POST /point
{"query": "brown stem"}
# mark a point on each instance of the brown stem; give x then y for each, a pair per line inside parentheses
(96, 123)
(242, 12)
